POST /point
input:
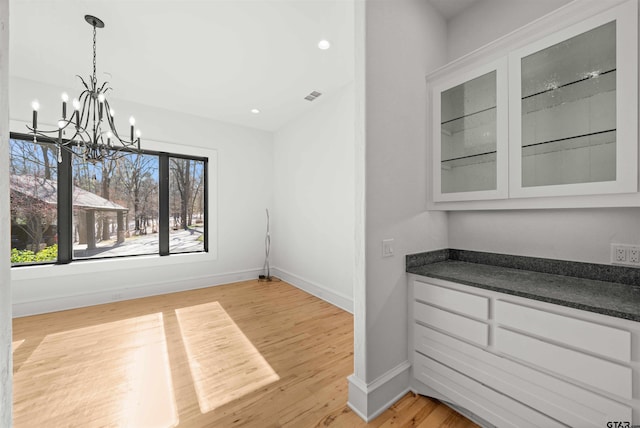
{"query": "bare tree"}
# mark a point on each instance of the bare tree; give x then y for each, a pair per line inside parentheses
(136, 171)
(197, 188)
(181, 174)
(108, 167)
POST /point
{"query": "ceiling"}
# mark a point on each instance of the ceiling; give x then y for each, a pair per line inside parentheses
(450, 8)
(217, 59)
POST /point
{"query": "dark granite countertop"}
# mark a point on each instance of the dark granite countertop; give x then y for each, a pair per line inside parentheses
(621, 300)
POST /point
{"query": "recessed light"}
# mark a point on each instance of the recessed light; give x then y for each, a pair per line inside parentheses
(255, 111)
(324, 44)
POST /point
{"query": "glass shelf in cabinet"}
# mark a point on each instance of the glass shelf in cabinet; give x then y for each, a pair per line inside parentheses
(586, 54)
(584, 88)
(592, 139)
(474, 159)
(470, 121)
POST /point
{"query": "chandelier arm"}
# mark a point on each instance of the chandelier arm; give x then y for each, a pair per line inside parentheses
(82, 146)
(93, 102)
(83, 82)
(112, 126)
(84, 119)
(114, 131)
(42, 132)
(102, 89)
(44, 136)
(71, 140)
(67, 146)
(66, 122)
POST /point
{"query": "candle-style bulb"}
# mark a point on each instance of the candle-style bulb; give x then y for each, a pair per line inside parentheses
(76, 104)
(35, 105)
(132, 121)
(112, 112)
(101, 97)
(65, 98)
(61, 124)
(138, 133)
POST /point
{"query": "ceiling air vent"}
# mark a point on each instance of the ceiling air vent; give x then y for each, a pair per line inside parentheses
(312, 96)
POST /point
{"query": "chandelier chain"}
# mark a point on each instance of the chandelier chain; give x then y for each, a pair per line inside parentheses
(94, 55)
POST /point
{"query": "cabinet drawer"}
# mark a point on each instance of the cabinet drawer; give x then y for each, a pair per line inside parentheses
(561, 400)
(599, 339)
(453, 300)
(466, 328)
(495, 407)
(605, 375)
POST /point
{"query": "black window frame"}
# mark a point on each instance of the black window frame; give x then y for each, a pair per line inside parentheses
(65, 204)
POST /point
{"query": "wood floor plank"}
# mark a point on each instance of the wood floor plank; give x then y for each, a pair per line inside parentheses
(248, 354)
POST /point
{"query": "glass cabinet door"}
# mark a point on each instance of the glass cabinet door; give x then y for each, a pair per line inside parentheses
(569, 94)
(470, 135)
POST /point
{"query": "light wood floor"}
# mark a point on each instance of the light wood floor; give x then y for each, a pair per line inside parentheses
(241, 355)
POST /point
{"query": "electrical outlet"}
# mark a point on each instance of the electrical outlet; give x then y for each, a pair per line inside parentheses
(623, 254)
(387, 247)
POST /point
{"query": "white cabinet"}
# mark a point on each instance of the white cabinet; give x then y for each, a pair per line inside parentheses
(547, 116)
(470, 135)
(518, 362)
(573, 109)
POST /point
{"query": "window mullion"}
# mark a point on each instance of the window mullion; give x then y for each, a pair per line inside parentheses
(65, 209)
(206, 206)
(163, 201)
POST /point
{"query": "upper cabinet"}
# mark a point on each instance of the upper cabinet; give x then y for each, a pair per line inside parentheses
(548, 117)
(573, 110)
(471, 135)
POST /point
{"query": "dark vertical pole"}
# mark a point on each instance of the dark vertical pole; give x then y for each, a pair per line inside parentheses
(206, 205)
(163, 209)
(65, 209)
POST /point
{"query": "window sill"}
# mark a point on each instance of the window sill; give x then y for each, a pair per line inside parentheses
(80, 267)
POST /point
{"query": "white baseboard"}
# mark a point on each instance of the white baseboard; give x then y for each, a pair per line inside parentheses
(336, 299)
(61, 303)
(369, 400)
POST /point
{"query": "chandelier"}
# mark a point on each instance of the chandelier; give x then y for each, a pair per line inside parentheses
(95, 138)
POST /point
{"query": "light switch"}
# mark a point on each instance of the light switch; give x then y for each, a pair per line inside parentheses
(387, 247)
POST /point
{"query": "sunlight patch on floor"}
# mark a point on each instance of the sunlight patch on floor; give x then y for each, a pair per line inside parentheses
(15, 345)
(224, 363)
(133, 389)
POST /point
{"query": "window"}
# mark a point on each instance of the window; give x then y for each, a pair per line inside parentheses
(123, 219)
(187, 202)
(140, 204)
(33, 188)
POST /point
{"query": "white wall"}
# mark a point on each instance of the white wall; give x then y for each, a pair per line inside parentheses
(582, 235)
(313, 211)
(404, 41)
(579, 234)
(5, 279)
(242, 180)
(487, 20)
